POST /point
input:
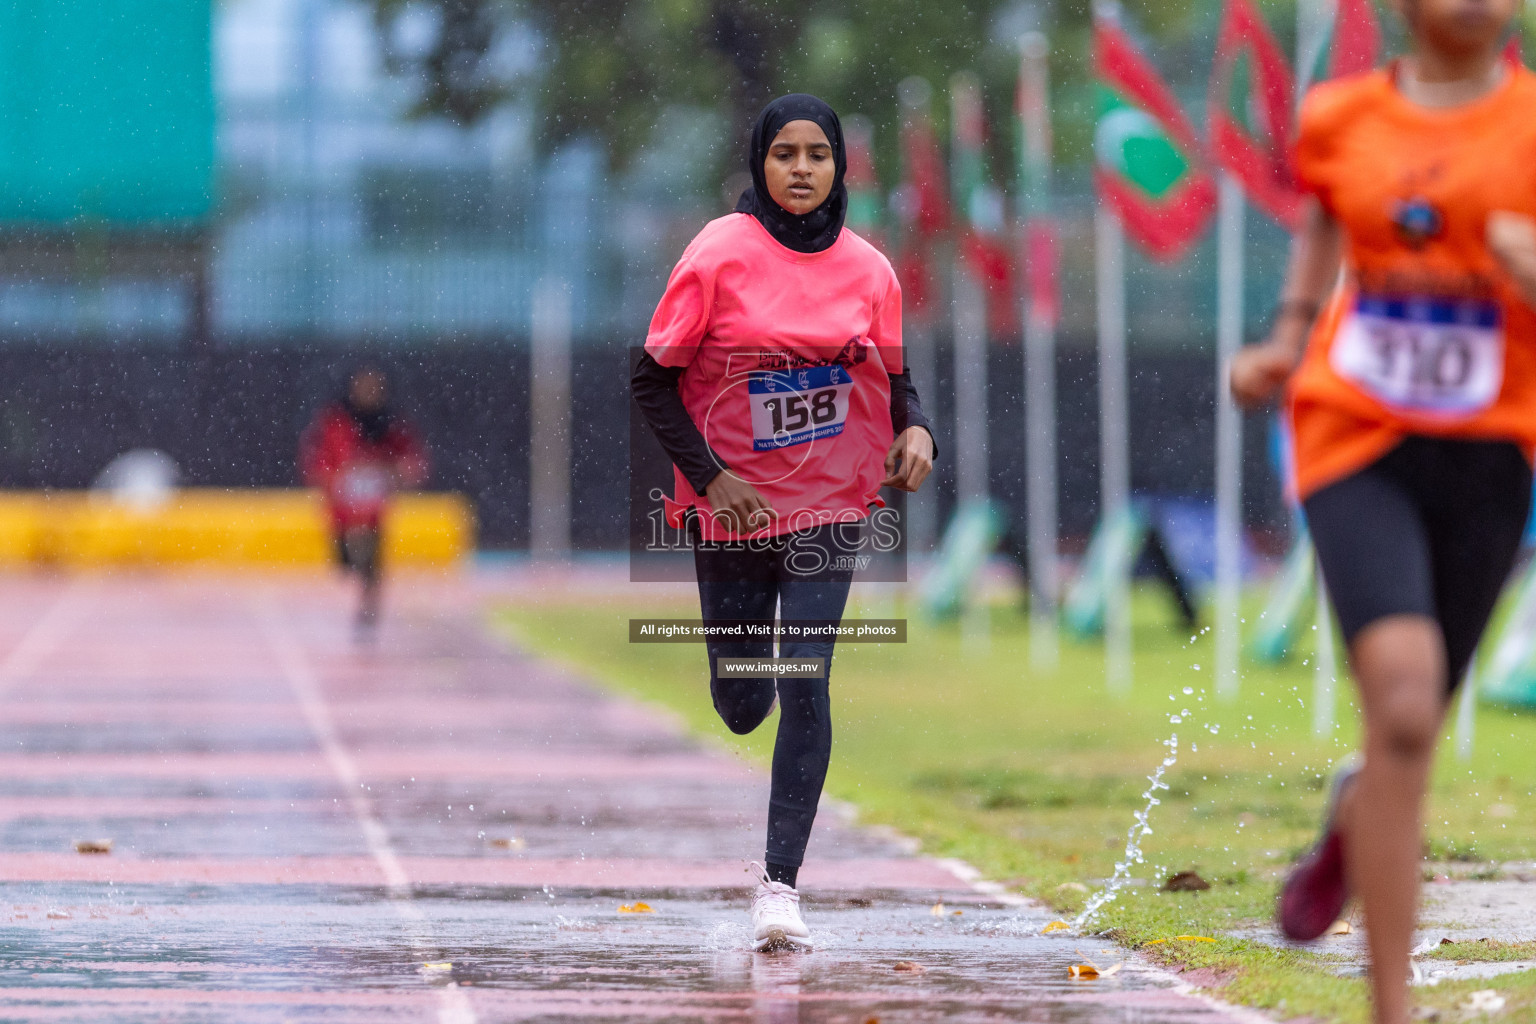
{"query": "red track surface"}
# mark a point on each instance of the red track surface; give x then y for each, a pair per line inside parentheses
(301, 827)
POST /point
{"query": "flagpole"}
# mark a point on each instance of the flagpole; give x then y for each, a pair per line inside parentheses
(1229, 434)
(968, 307)
(1312, 17)
(922, 512)
(549, 446)
(970, 368)
(968, 304)
(914, 95)
(1114, 438)
(1039, 353)
(1312, 35)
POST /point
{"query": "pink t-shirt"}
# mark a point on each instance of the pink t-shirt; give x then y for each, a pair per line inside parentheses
(786, 355)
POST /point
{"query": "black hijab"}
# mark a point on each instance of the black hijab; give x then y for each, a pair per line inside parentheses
(807, 232)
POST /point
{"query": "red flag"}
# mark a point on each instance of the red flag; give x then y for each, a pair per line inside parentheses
(1040, 252)
(1032, 107)
(923, 169)
(1250, 103)
(863, 187)
(1148, 164)
(925, 207)
(1356, 39)
(983, 245)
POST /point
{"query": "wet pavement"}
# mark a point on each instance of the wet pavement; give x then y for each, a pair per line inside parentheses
(436, 828)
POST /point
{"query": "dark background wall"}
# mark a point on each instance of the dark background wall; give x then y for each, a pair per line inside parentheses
(232, 417)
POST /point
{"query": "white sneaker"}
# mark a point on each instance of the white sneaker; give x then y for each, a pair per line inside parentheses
(776, 920)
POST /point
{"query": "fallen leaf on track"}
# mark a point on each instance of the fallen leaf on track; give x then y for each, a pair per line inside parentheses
(437, 967)
(1055, 926)
(937, 910)
(1339, 928)
(636, 908)
(1088, 970)
(93, 846)
(909, 967)
(508, 842)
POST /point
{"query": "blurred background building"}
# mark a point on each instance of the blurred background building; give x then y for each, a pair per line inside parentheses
(211, 213)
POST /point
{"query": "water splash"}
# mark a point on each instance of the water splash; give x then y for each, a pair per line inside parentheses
(1140, 829)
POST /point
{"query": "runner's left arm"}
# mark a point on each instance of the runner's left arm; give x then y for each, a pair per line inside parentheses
(907, 408)
(910, 457)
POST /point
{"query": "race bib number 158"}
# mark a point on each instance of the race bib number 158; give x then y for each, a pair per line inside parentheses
(791, 407)
(1423, 355)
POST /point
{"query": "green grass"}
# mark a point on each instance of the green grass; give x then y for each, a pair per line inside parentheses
(1033, 776)
(1483, 951)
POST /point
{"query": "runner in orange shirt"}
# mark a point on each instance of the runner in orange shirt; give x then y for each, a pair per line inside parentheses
(1413, 404)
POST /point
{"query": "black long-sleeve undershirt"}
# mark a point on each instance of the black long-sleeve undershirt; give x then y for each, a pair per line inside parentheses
(655, 388)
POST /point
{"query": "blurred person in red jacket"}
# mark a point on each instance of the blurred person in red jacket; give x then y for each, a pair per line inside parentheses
(358, 451)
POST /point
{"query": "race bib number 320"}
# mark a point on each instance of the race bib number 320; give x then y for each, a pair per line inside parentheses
(1423, 355)
(791, 407)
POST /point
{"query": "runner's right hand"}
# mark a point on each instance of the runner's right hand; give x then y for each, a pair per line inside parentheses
(1259, 372)
(736, 505)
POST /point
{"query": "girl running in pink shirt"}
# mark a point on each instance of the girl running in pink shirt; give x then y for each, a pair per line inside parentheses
(773, 377)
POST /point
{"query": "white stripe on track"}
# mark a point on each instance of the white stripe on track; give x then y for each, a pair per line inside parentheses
(43, 637)
(453, 1006)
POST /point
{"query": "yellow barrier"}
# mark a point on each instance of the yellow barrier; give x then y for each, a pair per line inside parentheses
(205, 526)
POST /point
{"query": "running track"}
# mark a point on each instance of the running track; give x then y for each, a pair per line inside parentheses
(437, 829)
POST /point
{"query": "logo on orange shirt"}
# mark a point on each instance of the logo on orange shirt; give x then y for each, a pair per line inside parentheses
(1417, 220)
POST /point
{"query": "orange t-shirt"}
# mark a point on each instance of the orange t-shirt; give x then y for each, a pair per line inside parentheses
(1427, 335)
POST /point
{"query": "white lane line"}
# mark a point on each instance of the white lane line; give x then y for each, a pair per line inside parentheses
(454, 1006)
(43, 637)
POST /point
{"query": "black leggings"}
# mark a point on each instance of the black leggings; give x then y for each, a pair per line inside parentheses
(1431, 528)
(802, 574)
(357, 549)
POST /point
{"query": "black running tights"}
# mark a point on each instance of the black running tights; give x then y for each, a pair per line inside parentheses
(1431, 528)
(801, 574)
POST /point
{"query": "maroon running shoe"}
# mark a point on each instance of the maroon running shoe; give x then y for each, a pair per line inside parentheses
(1314, 894)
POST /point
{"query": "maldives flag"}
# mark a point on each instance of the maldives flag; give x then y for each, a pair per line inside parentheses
(1147, 163)
(863, 188)
(1250, 107)
(1350, 45)
(924, 205)
(1032, 107)
(1354, 43)
(983, 243)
